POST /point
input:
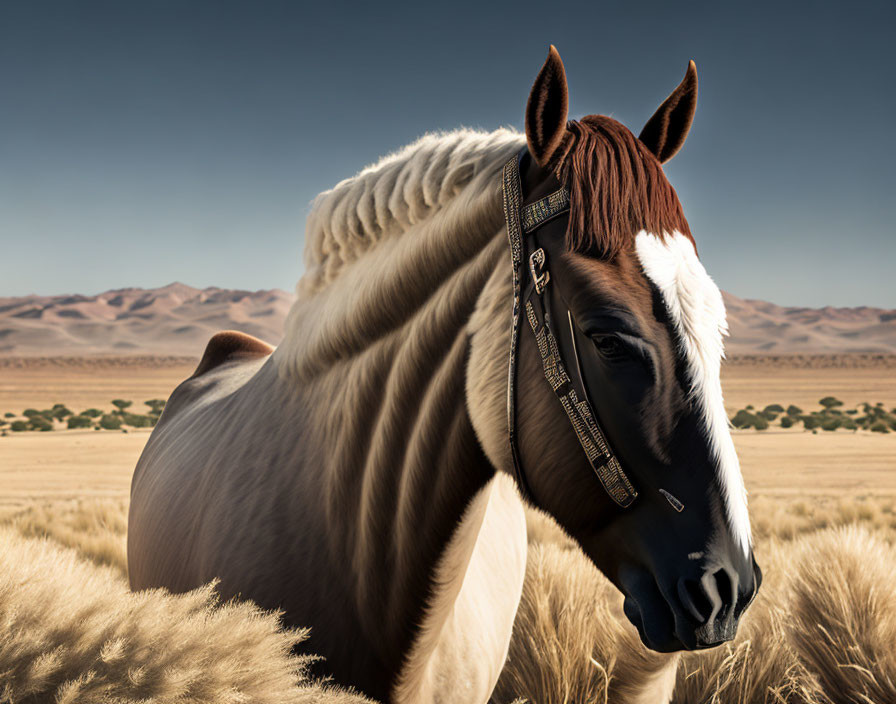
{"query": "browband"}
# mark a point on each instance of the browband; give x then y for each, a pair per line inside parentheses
(530, 265)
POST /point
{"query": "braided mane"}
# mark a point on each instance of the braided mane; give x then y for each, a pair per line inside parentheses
(401, 192)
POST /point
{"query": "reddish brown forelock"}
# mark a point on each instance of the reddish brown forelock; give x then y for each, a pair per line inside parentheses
(617, 188)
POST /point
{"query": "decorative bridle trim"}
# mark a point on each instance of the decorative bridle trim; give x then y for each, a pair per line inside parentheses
(513, 200)
(574, 400)
(538, 213)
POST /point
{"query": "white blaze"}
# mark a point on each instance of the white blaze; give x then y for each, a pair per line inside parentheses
(696, 308)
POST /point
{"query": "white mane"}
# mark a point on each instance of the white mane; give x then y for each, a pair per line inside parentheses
(399, 192)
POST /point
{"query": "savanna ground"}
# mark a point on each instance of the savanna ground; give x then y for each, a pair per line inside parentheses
(823, 628)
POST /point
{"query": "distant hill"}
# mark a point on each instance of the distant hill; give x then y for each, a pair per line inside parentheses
(759, 327)
(172, 320)
(179, 319)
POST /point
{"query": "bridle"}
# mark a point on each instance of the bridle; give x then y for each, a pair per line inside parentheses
(531, 288)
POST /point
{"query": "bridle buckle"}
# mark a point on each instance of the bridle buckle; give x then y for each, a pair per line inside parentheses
(540, 277)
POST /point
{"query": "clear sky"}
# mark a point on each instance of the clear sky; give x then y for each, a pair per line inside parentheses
(147, 142)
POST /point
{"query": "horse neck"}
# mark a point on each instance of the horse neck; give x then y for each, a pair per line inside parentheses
(379, 359)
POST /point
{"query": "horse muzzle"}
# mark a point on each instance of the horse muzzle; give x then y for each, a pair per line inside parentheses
(699, 612)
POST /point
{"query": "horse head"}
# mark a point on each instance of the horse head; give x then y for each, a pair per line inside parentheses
(635, 324)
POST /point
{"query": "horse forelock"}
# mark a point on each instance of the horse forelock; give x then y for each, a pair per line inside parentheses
(617, 188)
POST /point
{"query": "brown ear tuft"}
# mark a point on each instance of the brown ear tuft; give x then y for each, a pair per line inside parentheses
(547, 109)
(665, 132)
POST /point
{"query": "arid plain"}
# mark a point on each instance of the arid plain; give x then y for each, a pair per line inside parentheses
(793, 462)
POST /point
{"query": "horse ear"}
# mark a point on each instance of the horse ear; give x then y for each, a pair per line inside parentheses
(665, 132)
(547, 109)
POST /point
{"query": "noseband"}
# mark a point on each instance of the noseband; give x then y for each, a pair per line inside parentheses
(531, 287)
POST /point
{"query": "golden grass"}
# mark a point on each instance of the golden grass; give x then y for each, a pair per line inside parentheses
(789, 519)
(95, 528)
(843, 622)
(571, 643)
(822, 630)
(71, 631)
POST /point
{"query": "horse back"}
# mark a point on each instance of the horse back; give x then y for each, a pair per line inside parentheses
(171, 476)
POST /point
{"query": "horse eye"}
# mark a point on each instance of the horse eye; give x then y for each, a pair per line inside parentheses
(610, 346)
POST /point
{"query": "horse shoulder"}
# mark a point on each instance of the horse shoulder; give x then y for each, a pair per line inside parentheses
(464, 638)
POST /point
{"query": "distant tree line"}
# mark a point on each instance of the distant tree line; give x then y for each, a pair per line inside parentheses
(832, 416)
(61, 416)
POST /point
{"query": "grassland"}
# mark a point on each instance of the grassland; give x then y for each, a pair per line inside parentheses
(822, 630)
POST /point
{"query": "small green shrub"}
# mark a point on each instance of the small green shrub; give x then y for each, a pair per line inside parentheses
(774, 408)
(110, 422)
(40, 423)
(79, 422)
(879, 426)
(794, 410)
(830, 402)
(18, 426)
(59, 411)
(848, 424)
(120, 404)
(138, 421)
(810, 422)
(830, 424)
(155, 406)
(9, 415)
(92, 413)
(787, 422)
(743, 419)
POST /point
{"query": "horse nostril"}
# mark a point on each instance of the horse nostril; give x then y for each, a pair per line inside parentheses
(725, 589)
(694, 599)
(710, 597)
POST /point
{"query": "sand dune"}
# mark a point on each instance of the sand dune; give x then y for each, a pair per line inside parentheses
(178, 320)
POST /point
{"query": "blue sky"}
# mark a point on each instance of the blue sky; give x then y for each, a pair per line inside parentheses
(147, 142)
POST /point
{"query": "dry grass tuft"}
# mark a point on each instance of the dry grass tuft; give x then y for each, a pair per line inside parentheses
(571, 641)
(72, 632)
(95, 528)
(843, 614)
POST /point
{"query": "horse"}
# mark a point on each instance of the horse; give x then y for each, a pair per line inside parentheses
(485, 320)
